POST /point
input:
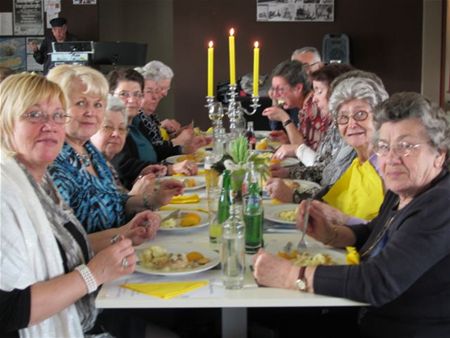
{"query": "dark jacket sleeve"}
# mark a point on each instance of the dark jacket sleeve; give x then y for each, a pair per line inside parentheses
(15, 309)
(128, 164)
(166, 149)
(41, 54)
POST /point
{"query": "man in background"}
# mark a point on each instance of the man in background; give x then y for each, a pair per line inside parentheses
(59, 34)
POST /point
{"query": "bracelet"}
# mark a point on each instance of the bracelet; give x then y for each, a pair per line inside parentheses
(88, 277)
(115, 239)
(333, 236)
(287, 122)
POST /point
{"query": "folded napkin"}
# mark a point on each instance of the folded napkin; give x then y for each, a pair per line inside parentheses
(183, 199)
(165, 290)
(168, 208)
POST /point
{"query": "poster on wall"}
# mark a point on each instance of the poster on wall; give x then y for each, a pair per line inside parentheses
(13, 53)
(32, 65)
(84, 2)
(295, 10)
(28, 17)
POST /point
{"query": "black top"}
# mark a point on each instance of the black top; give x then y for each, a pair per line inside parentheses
(408, 281)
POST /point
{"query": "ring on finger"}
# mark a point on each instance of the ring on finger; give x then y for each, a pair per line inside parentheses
(124, 263)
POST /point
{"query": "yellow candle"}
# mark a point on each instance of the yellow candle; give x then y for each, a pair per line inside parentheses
(256, 69)
(210, 69)
(231, 48)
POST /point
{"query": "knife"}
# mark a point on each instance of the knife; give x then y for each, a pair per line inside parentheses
(173, 214)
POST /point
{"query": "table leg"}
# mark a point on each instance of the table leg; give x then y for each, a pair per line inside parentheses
(234, 322)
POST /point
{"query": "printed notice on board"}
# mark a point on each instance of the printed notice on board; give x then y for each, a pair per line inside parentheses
(28, 17)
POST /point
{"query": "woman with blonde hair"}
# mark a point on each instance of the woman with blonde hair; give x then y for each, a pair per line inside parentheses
(45, 252)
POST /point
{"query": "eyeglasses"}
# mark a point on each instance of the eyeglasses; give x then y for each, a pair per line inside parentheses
(127, 95)
(308, 66)
(401, 149)
(279, 90)
(358, 116)
(110, 129)
(58, 117)
(152, 91)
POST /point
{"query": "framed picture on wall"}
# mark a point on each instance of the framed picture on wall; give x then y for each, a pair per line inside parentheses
(13, 53)
(295, 10)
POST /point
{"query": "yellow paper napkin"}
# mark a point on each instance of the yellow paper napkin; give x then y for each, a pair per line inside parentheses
(276, 201)
(183, 199)
(166, 290)
(168, 207)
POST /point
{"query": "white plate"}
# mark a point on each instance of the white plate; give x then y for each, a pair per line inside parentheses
(213, 256)
(272, 212)
(306, 185)
(289, 161)
(199, 180)
(262, 133)
(337, 255)
(203, 221)
(178, 158)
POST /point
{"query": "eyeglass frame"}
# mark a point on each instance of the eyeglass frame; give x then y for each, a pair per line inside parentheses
(401, 149)
(110, 130)
(44, 117)
(280, 89)
(128, 95)
(352, 116)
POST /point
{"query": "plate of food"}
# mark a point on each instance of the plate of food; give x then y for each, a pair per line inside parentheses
(302, 186)
(175, 260)
(190, 182)
(314, 256)
(182, 220)
(281, 213)
(198, 157)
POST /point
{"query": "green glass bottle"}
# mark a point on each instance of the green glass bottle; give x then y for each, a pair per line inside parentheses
(223, 208)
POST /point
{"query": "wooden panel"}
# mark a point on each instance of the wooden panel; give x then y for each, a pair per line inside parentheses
(385, 37)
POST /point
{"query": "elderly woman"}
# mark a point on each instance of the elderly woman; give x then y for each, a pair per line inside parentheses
(405, 251)
(333, 155)
(138, 152)
(45, 252)
(110, 139)
(359, 191)
(80, 171)
(157, 78)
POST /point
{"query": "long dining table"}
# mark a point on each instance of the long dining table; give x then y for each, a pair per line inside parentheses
(233, 303)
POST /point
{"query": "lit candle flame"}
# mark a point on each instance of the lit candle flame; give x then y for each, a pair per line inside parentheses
(256, 44)
(232, 31)
(211, 44)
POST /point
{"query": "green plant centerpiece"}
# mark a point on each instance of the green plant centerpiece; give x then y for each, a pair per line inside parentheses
(236, 161)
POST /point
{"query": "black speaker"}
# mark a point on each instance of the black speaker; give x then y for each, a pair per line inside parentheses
(336, 48)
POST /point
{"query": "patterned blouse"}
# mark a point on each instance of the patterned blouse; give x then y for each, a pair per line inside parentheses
(312, 125)
(96, 200)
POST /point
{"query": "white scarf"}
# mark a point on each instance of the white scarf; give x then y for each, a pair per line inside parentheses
(29, 251)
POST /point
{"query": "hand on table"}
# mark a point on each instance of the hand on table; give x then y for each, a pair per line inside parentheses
(185, 167)
(285, 150)
(276, 170)
(276, 188)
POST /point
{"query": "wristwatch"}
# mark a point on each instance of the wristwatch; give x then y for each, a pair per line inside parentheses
(301, 281)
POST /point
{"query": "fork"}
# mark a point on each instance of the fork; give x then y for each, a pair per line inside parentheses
(302, 243)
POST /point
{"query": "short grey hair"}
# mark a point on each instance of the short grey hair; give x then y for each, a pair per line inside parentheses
(156, 71)
(114, 104)
(293, 72)
(357, 88)
(407, 105)
(303, 50)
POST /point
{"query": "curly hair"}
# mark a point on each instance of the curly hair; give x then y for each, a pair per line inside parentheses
(406, 105)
